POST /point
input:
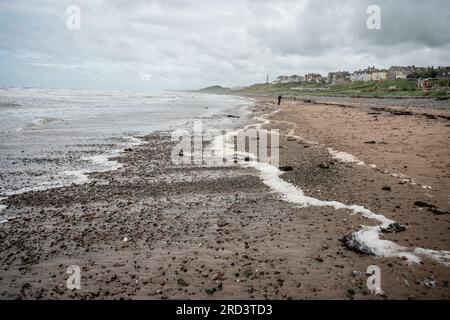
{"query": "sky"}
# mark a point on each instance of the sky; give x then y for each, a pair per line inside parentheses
(173, 44)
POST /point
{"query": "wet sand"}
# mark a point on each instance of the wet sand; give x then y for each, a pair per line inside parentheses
(153, 230)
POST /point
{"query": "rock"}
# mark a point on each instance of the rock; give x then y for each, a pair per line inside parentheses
(286, 168)
(247, 159)
(319, 259)
(438, 212)
(210, 291)
(401, 113)
(430, 207)
(181, 282)
(386, 188)
(325, 165)
(370, 142)
(128, 150)
(246, 246)
(232, 116)
(423, 204)
(247, 273)
(219, 276)
(222, 224)
(393, 228)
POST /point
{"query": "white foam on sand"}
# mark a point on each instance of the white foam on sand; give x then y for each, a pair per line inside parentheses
(80, 176)
(336, 154)
(104, 161)
(134, 141)
(2, 206)
(369, 236)
(344, 157)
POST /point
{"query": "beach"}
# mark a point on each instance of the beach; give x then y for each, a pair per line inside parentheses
(363, 183)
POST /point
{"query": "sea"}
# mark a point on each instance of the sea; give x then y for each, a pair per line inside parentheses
(53, 137)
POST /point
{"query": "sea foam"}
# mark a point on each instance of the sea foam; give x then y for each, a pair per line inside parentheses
(369, 236)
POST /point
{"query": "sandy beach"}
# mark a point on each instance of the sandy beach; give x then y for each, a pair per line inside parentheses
(155, 230)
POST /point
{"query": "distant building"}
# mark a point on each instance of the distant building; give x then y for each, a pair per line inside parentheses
(395, 72)
(361, 75)
(370, 74)
(281, 79)
(340, 77)
(443, 72)
(296, 79)
(286, 79)
(421, 72)
(314, 78)
(379, 75)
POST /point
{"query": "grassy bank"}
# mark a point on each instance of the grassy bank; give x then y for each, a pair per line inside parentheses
(389, 88)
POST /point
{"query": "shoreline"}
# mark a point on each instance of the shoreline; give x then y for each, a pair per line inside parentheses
(145, 231)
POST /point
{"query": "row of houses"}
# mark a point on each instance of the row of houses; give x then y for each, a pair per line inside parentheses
(308, 78)
(289, 79)
(393, 73)
(369, 74)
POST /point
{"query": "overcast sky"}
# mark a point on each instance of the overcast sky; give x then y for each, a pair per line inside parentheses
(174, 44)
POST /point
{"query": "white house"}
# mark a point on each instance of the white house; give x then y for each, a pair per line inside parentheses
(340, 77)
(395, 72)
(281, 79)
(361, 75)
(296, 79)
(378, 75)
(291, 79)
(314, 78)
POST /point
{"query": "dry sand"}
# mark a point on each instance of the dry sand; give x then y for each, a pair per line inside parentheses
(153, 230)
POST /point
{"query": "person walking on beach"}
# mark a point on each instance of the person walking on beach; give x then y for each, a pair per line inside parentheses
(279, 99)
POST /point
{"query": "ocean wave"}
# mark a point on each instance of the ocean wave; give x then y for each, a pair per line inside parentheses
(9, 104)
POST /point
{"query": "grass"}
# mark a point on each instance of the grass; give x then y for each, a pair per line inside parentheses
(388, 88)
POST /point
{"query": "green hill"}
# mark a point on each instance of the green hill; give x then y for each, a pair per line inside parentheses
(214, 90)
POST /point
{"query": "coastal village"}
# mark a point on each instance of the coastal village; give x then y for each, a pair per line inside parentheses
(422, 75)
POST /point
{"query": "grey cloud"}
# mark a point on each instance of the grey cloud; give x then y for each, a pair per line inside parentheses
(182, 44)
